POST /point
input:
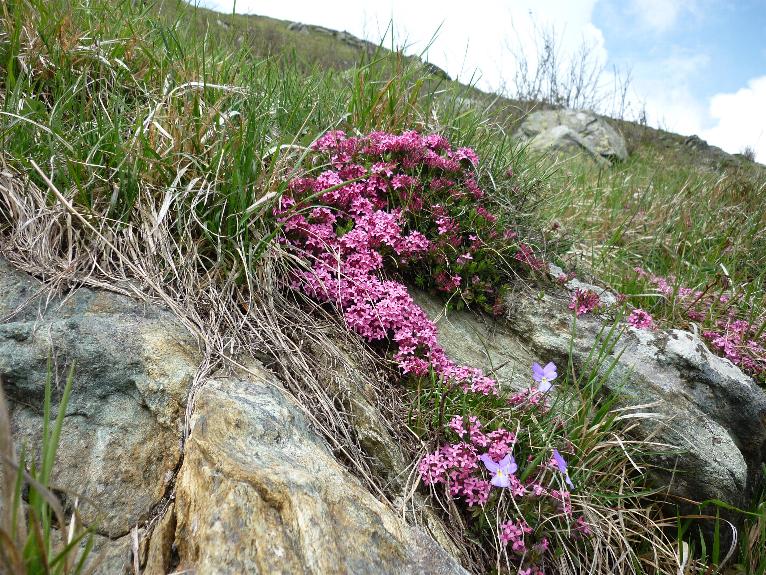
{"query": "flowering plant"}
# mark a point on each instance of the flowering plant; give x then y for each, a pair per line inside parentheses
(404, 203)
(721, 312)
(523, 490)
(409, 205)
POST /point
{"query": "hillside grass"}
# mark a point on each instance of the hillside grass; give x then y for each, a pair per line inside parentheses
(165, 132)
(668, 210)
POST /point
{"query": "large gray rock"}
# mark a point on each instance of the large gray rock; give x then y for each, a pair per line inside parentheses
(260, 492)
(133, 366)
(702, 404)
(573, 132)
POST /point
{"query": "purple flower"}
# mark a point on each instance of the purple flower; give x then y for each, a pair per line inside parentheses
(544, 375)
(501, 471)
(562, 466)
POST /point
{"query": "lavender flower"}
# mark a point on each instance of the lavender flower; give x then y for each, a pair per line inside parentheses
(544, 376)
(562, 466)
(501, 471)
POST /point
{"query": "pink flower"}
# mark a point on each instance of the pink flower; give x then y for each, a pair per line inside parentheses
(584, 301)
(462, 259)
(582, 527)
(640, 319)
(457, 425)
(527, 256)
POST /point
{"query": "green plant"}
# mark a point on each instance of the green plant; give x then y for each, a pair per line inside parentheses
(37, 536)
(602, 520)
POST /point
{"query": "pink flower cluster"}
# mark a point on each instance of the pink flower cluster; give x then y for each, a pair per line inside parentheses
(458, 465)
(478, 467)
(347, 237)
(513, 534)
(741, 341)
(738, 341)
(527, 256)
(641, 319)
(584, 301)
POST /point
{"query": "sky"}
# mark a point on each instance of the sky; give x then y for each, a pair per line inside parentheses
(695, 66)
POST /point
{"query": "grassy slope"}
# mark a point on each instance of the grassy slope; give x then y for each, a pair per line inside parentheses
(175, 122)
(674, 209)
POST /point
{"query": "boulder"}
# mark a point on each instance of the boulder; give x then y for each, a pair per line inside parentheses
(260, 492)
(133, 366)
(573, 132)
(702, 404)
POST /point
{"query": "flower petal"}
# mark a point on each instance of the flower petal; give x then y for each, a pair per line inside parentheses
(537, 372)
(560, 462)
(489, 463)
(549, 371)
(500, 480)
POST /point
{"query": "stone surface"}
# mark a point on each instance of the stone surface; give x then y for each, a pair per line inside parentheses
(133, 368)
(259, 492)
(573, 132)
(702, 404)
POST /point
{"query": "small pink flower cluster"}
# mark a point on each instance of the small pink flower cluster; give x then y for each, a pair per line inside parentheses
(347, 237)
(740, 341)
(458, 465)
(527, 256)
(641, 319)
(513, 534)
(584, 301)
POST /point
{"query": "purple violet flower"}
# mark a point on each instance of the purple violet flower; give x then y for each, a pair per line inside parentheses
(544, 376)
(501, 471)
(562, 466)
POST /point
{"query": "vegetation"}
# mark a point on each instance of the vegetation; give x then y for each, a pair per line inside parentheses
(157, 143)
(37, 535)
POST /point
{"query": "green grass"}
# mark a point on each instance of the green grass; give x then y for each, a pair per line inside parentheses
(672, 214)
(121, 104)
(38, 536)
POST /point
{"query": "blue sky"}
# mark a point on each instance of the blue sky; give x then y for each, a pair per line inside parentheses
(697, 66)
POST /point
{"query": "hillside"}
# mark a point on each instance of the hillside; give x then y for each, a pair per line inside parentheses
(306, 304)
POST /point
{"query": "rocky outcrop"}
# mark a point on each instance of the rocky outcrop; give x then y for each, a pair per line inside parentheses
(255, 489)
(573, 132)
(712, 413)
(259, 492)
(133, 368)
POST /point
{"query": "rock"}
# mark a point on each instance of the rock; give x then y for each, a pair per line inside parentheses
(572, 131)
(133, 368)
(259, 492)
(704, 405)
(478, 341)
(696, 143)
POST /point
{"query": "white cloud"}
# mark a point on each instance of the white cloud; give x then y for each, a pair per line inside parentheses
(469, 39)
(659, 16)
(664, 88)
(740, 119)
